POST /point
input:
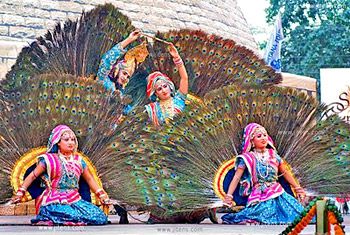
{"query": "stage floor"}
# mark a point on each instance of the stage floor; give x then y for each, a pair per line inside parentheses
(21, 225)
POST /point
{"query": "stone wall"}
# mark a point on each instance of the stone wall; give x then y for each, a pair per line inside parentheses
(21, 21)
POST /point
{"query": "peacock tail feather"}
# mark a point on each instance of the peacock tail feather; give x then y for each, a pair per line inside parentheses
(137, 174)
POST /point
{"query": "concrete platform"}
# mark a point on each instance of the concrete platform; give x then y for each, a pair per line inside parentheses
(21, 225)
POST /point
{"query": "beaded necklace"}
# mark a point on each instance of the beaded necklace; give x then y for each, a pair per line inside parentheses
(263, 158)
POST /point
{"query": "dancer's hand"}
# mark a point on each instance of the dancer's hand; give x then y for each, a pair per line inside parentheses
(20, 193)
(105, 200)
(173, 51)
(102, 195)
(16, 199)
(300, 193)
(228, 200)
(131, 38)
(134, 35)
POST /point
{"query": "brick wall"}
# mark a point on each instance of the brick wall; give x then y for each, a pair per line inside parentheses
(21, 21)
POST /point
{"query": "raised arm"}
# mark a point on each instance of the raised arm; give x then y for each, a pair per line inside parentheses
(183, 88)
(131, 38)
(39, 169)
(111, 56)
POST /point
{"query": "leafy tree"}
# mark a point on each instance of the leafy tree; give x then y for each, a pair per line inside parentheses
(317, 34)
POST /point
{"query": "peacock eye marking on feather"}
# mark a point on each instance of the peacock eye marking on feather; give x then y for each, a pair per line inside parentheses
(139, 181)
(62, 108)
(173, 176)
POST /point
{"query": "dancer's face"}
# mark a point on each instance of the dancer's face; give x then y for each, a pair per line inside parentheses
(67, 142)
(260, 139)
(123, 77)
(163, 91)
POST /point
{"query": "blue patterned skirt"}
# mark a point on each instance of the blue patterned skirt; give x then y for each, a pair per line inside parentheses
(280, 210)
(78, 213)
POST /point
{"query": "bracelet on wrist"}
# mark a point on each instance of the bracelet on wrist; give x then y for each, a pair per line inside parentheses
(22, 188)
(100, 192)
(178, 61)
(21, 191)
(229, 195)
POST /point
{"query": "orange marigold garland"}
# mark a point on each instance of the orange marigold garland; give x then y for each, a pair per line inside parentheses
(334, 218)
(301, 222)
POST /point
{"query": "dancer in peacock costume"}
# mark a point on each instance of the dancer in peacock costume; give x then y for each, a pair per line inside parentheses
(61, 168)
(160, 88)
(115, 74)
(267, 202)
(182, 166)
(168, 102)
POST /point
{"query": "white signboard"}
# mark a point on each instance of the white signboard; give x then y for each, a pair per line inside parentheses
(335, 92)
